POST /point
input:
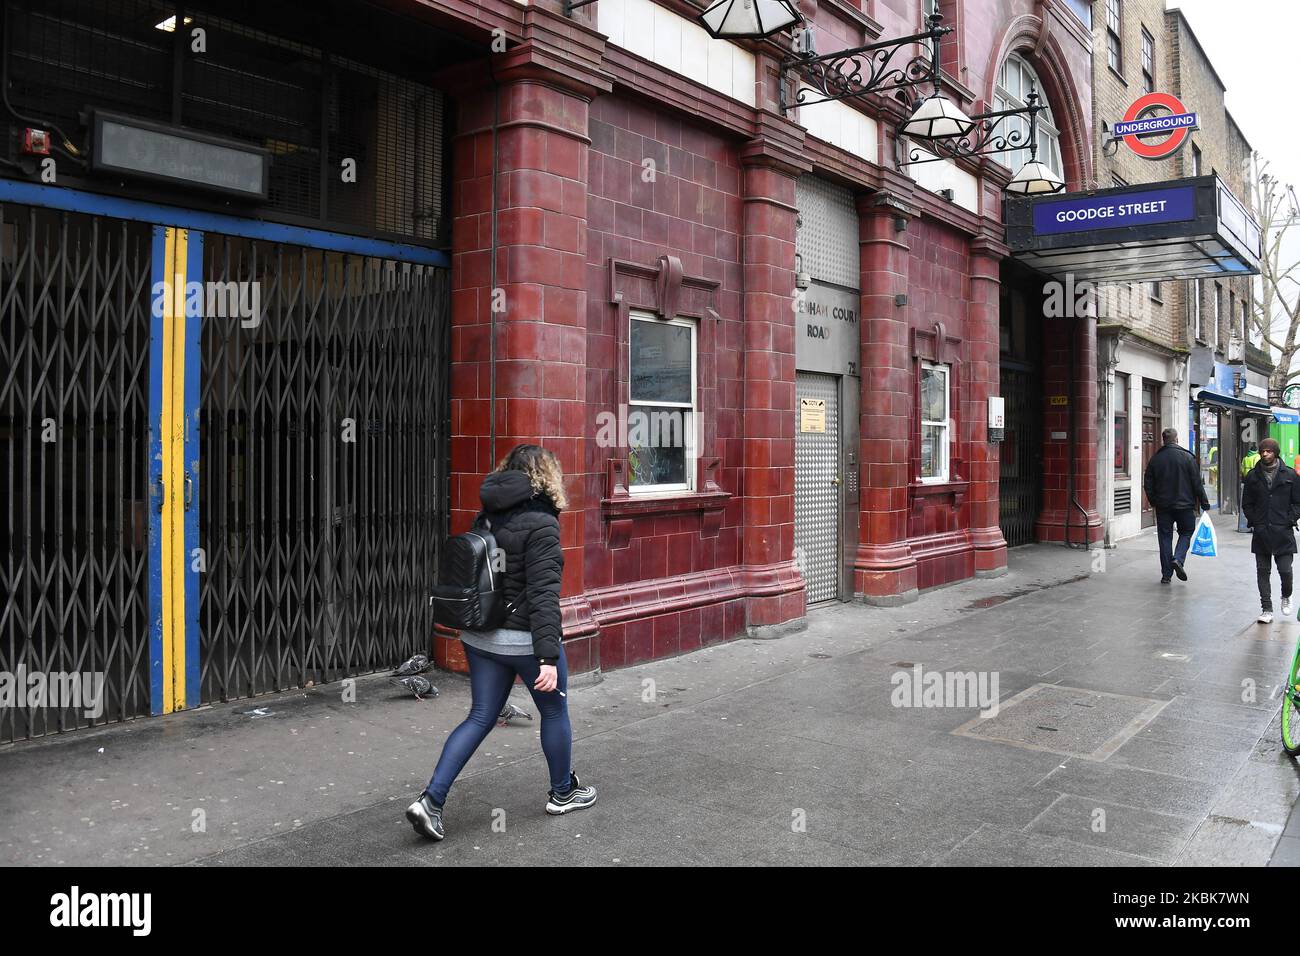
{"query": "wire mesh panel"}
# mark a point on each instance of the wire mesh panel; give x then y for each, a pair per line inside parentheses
(323, 466)
(74, 382)
(827, 237)
(357, 141)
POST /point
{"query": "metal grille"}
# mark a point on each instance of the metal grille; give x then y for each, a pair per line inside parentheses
(1020, 479)
(323, 487)
(67, 54)
(308, 106)
(1123, 500)
(816, 498)
(827, 236)
(74, 381)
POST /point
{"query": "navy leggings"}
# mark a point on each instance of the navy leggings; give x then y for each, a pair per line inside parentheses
(490, 677)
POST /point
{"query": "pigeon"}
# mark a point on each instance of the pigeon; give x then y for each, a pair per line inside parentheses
(416, 684)
(510, 712)
(416, 665)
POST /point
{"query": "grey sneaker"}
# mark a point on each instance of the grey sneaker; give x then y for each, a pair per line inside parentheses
(1286, 607)
(426, 817)
(1265, 617)
(577, 798)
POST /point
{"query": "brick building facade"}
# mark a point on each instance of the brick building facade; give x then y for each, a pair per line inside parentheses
(477, 224)
(645, 176)
(1147, 331)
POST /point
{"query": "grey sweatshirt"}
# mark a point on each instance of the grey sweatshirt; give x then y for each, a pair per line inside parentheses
(501, 641)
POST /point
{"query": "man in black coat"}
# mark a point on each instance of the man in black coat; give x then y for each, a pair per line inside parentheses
(1173, 486)
(1271, 503)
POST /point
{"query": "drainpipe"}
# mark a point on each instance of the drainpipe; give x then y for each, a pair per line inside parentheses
(492, 318)
(1071, 433)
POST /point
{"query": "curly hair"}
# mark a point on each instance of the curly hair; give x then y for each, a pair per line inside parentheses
(543, 471)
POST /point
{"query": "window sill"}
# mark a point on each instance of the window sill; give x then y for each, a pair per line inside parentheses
(1117, 74)
(675, 502)
(951, 486)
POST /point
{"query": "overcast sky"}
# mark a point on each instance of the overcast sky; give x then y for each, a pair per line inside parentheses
(1253, 45)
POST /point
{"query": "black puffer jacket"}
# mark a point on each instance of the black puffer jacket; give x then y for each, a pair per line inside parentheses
(1173, 480)
(527, 528)
(1271, 512)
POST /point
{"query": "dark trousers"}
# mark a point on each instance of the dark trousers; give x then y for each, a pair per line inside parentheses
(490, 678)
(1263, 564)
(1185, 518)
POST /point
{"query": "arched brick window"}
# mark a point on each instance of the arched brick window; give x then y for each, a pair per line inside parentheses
(1015, 79)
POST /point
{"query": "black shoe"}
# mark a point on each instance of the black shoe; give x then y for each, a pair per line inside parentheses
(1178, 570)
(1165, 580)
(577, 797)
(426, 817)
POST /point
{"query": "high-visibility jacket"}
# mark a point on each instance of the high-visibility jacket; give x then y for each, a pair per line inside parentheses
(1248, 463)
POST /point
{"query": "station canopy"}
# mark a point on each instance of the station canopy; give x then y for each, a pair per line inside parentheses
(1181, 229)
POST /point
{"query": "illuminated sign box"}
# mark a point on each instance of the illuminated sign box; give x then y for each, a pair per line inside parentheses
(1181, 229)
(134, 147)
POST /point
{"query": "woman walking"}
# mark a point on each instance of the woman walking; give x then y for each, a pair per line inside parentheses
(1270, 501)
(522, 501)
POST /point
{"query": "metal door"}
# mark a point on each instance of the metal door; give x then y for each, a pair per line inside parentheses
(75, 353)
(1021, 471)
(1150, 441)
(817, 482)
(324, 482)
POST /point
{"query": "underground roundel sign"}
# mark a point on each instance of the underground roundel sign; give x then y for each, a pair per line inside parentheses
(1149, 117)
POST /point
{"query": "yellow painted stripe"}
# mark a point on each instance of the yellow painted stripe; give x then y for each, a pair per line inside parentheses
(172, 430)
(177, 380)
(166, 427)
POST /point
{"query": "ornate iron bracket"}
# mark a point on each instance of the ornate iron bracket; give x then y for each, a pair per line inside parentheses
(862, 71)
(984, 139)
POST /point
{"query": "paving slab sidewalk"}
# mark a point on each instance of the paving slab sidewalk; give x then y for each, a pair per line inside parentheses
(1136, 725)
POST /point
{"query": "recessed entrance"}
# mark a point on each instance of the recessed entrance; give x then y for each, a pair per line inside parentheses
(1021, 470)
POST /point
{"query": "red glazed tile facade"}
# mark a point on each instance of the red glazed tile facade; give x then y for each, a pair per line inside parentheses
(583, 236)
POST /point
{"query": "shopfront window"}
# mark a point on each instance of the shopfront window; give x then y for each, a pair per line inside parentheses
(934, 422)
(1121, 424)
(1208, 452)
(661, 414)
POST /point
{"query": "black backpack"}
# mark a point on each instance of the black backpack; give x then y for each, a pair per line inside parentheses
(470, 593)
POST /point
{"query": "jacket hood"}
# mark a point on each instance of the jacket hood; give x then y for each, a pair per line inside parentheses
(503, 490)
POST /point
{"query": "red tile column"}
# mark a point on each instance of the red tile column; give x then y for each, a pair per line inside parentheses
(538, 296)
(772, 162)
(884, 569)
(983, 378)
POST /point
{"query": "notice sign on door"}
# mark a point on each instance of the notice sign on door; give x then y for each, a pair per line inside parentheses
(812, 415)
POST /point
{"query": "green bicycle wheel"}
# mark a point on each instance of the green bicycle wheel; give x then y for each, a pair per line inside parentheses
(1291, 708)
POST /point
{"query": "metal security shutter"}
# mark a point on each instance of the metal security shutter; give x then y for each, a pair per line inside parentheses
(74, 456)
(324, 484)
(827, 235)
(816, 497)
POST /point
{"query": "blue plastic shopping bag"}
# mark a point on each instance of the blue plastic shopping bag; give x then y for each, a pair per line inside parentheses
(1204, 541)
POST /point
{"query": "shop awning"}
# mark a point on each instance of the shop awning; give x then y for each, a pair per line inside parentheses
(1230, 401)
(1286, 416)
(1181, 229)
